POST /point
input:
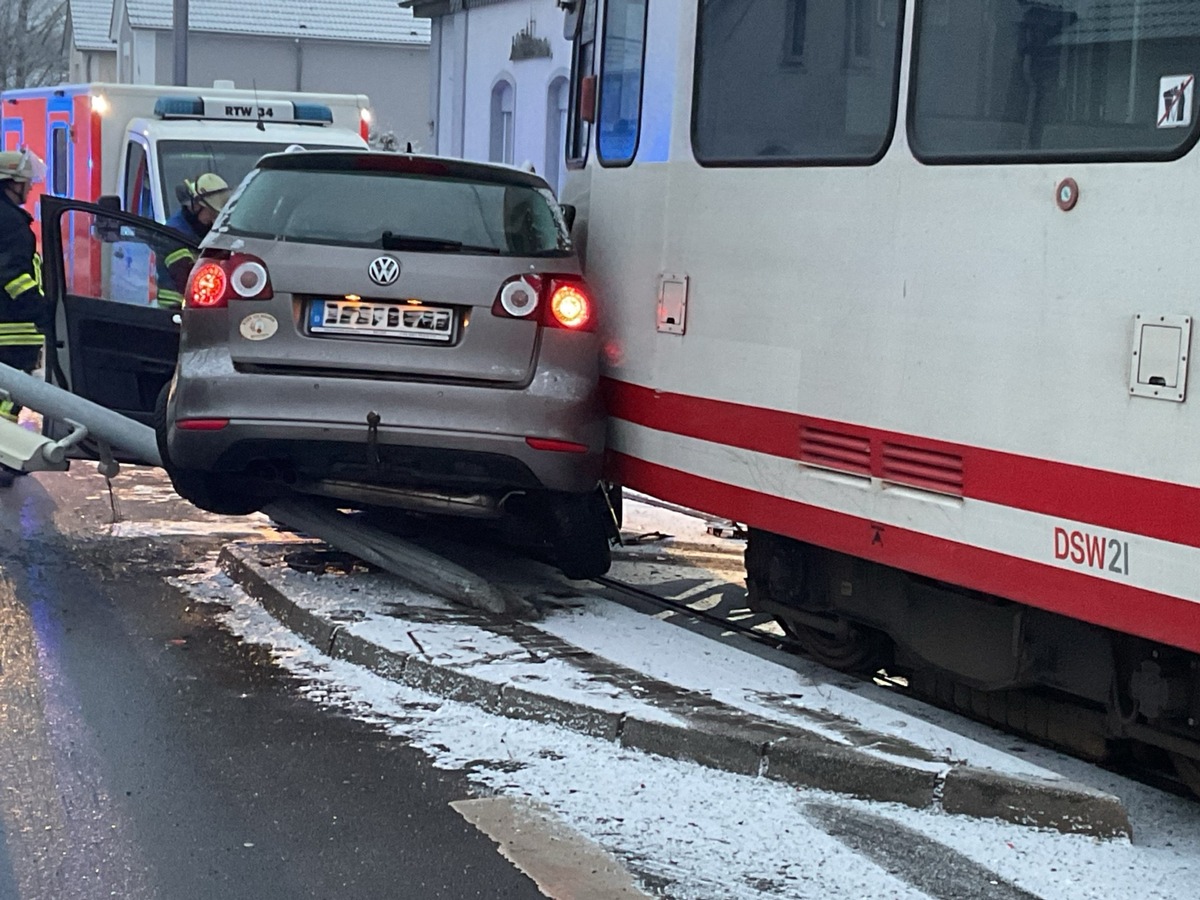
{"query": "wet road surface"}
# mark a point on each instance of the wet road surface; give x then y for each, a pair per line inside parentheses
(144, 753)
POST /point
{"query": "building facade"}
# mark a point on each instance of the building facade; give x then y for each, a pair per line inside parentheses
(92, 52)
(499, 81)
(370, 47)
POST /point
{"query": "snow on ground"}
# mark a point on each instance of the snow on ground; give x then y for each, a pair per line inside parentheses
(390, 615)
(704, 834)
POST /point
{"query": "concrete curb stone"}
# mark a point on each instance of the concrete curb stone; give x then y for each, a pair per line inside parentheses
(518, 703)
(730, 749)
(385, 663)
(833, 767)
(444, 682)
(1060, 805)
(710, 733)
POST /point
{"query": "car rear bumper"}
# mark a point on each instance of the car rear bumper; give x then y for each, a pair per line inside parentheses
(447, 435)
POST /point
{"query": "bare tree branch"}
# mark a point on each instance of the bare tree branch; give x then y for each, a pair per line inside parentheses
(32, 47)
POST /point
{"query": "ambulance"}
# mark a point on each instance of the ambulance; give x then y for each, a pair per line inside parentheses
(140, 142)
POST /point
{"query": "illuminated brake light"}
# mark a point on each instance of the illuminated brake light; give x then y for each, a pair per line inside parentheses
(207, 287)
(218, 279)
(201, 424)
(556, 446)
(570, 307)
(555, 301)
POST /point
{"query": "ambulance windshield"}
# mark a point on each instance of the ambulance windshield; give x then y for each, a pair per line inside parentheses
(180, 161)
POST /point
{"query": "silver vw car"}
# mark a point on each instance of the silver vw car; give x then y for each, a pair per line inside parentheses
(392, 330)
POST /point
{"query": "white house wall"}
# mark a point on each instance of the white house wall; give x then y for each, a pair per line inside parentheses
(124, 50)
(145, 59)
(451, 35)
(93, 65)
(395, 78)
(465, 100)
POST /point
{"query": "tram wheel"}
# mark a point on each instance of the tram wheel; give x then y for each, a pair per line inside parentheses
(856, 649)
(1188, 770)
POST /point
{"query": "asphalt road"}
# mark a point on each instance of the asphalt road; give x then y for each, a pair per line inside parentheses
(146, 754)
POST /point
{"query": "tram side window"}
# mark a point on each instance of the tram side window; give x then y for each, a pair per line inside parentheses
(583, 66)
(783, 82)
(621, 81)
(1018, 81)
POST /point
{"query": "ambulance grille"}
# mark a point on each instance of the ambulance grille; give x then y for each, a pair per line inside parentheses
(832, 450)
(929, 470)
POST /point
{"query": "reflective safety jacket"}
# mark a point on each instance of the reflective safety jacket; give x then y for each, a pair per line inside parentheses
(173, 268)
(24, 313)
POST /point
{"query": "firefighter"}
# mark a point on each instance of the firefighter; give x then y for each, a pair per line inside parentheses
(24, 313)
(202, 201)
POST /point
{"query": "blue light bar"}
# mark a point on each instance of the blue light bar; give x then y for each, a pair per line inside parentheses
(177, 107)
(314, 112)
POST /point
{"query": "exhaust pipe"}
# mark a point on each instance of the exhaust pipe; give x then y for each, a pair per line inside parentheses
(472, 506)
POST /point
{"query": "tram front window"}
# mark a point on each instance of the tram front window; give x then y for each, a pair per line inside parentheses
(1014, 79)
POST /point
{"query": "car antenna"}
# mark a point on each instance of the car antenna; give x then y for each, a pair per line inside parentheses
(257, 106)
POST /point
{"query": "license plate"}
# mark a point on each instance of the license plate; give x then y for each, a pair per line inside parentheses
(399, 320)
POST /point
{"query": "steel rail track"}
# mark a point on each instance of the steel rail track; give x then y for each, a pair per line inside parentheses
(776, 642)
(641, 593)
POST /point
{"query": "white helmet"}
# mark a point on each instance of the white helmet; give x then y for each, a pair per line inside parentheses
(23, 166)
(210, 190)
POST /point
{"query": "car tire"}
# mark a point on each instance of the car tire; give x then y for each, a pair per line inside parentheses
(581, 528)
(224, 495)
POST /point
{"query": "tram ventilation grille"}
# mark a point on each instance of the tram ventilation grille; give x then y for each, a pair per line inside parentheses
(831, 450)
(929, 470)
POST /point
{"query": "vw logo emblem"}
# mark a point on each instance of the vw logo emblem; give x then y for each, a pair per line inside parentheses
(384, 271)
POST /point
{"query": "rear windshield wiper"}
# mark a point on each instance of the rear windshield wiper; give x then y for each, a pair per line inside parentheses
(392, 241)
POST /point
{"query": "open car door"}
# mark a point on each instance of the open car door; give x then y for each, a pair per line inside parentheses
(111, 342)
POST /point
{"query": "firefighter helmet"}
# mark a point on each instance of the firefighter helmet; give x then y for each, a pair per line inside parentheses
(23, 166)
(209, 190)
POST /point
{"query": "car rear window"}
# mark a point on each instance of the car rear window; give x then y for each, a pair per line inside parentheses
(359, 208)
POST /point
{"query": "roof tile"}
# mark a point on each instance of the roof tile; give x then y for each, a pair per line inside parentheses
(375, 21)
(89, 22)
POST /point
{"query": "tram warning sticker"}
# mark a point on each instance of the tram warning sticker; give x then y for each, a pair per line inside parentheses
(1175, 101)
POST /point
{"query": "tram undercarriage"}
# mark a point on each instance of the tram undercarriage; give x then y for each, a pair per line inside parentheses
(1087, 689)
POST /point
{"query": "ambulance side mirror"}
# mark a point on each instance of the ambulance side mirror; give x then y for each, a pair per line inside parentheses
(108, 230)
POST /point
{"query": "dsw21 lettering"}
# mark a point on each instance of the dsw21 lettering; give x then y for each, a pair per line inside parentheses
(1092, 551)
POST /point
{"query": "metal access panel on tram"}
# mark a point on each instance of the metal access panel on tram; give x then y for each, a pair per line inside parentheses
(111, 342)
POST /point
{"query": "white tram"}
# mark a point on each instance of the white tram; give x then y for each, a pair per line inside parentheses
(909, 288)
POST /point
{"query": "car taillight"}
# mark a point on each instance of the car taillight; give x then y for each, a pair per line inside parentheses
(570, 307)
(249, 279)
(216, 280)
(519, 297)
(207, 286)
(551, 300)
